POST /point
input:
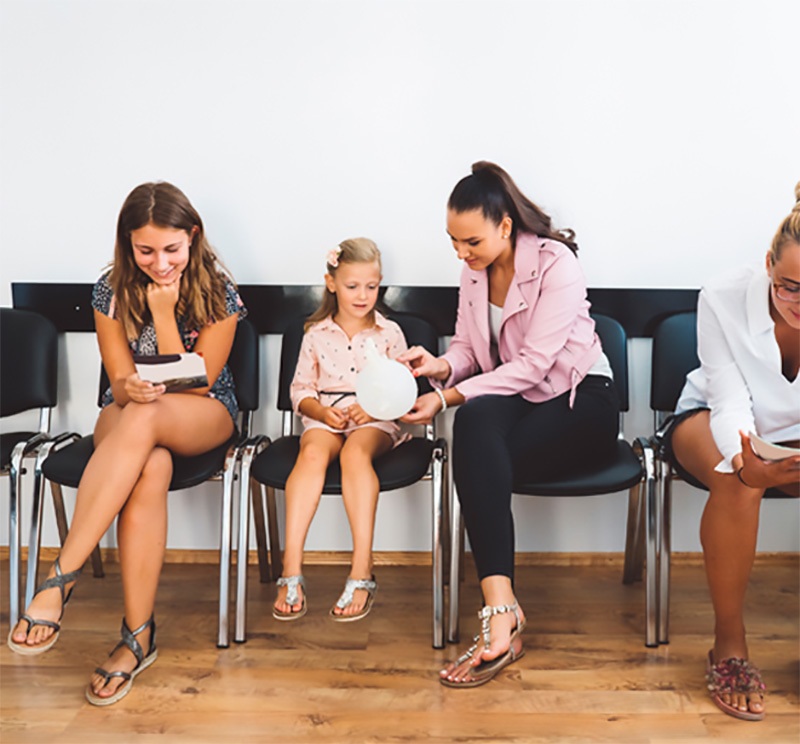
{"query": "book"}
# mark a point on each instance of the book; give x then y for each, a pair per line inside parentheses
(768, 451)
(176, 371)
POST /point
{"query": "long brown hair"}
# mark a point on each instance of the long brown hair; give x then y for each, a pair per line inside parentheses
(789, 230)
(353, 250)
(490, 189)
(202, 291)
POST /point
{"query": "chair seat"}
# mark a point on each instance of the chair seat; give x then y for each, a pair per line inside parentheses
(623, 472)
(400, 467)
(66, 466)
(8, 441)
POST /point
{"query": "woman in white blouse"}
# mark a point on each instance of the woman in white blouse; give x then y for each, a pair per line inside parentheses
(749, 349)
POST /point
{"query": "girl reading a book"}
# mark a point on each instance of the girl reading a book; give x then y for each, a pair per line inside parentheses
(748, 324)
(333, 351)
(530, 377)
(165, 293)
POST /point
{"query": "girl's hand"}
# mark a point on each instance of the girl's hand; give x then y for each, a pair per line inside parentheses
(334, 417)
(422, 363)
(162, 298)
(424, 410)
(358, 415)
(759, 473)
(140, 391)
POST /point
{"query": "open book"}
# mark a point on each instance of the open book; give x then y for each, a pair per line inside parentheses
(768, 451)
(176, 371)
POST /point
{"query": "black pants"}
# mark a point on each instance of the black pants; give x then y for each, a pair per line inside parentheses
(499, 440)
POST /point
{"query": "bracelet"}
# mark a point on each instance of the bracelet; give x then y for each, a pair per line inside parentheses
(441, 398)
(742, 480)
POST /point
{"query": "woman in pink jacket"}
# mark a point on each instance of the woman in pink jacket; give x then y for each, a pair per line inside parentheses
(530, 377)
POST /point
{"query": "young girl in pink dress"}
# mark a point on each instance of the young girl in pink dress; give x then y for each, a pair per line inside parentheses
(332, 354)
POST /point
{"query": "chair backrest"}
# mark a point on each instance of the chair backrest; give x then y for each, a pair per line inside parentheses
(615, 345)
(243, 362)
(674, 356)
(29, 354)
(418, 332)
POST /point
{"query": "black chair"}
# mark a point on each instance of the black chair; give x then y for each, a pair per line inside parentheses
(674, 355)
(270, 463)
(65, 466)
(629, 469)
(29, 354)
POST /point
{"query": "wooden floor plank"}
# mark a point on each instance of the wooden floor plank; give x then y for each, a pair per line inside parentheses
(586, 675)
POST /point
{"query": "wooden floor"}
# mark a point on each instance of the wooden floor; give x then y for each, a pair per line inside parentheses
(586, 677)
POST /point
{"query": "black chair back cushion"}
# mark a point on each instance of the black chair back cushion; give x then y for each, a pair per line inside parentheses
(29, 354)
(615, 345)
(674, 356)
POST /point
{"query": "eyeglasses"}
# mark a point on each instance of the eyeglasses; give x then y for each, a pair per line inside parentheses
(787, 294)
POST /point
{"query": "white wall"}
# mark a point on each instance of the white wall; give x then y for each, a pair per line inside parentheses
(665, 133)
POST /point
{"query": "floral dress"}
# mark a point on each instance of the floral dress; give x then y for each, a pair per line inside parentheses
(147, 345)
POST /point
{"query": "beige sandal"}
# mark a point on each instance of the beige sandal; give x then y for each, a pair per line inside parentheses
(346, 599)
(292, 598)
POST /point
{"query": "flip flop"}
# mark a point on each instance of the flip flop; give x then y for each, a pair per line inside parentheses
(346, 599)
(292, 598)
(730, 677)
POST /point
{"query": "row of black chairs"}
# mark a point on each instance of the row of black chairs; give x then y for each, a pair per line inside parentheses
(255, 462)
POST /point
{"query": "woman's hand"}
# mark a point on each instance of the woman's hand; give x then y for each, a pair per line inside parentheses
(162, 298)
(334, 417)
(422, 363)
(140, 391)
(424, 410)
(358, 415)
(758, 473)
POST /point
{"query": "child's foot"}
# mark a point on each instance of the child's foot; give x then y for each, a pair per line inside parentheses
(356, 599)
(290, 603)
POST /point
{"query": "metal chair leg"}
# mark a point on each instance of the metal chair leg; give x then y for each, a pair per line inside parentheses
(35, 537)
(634, 538)
(276, 560)
(456, 545)
(437, 547)
(14, 532)
(652, 522)
(259, 520)
(226, 523)
(665, 548)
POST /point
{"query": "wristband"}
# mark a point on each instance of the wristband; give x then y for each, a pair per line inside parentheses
(441, 398)
(742, 480)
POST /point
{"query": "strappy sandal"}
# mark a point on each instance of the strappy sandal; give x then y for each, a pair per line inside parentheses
(488, 670)
(734, 676)
(59, 580)
(346, 599)
(292, 598)
(142, 662)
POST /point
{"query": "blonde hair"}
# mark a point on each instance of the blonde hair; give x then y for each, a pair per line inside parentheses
(789, 230)
(353, 250)
(202, 291)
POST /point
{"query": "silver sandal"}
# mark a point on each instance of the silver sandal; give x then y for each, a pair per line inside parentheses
(488, 670)
(292, 597)
(346, 599)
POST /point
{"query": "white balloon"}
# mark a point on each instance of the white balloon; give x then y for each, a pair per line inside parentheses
(385, 389)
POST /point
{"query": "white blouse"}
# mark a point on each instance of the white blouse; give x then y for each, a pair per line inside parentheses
(740, 378)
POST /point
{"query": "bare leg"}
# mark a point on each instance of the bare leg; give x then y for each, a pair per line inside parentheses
(124, 439)
(142, 539)
(303, 491)
(360, 490)
(497, 590)
(728, 532)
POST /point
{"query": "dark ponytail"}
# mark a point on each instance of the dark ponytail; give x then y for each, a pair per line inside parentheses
(492, 190)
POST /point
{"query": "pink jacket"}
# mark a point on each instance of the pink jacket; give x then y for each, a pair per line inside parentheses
(547, 341)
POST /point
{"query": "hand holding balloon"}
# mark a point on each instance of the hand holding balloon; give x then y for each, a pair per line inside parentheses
(385, 389)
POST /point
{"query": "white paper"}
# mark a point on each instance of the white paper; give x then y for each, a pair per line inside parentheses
(768, 451)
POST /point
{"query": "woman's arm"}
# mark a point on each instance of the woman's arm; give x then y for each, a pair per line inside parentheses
(728, 395)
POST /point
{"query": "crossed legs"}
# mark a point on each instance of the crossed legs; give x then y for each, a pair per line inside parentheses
(129, 475)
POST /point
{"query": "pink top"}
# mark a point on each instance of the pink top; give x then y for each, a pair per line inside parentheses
(547, 341)
(329, 361)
